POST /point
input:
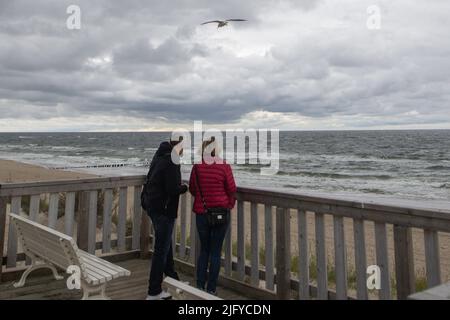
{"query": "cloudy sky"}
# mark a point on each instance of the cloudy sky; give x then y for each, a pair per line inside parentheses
(296, 64)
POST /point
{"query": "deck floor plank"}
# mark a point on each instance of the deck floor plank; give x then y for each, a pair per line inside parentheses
(124, 288)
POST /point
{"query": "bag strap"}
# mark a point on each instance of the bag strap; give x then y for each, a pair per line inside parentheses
(200, 188)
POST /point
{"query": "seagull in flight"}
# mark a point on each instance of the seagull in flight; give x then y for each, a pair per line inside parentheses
(222, 23)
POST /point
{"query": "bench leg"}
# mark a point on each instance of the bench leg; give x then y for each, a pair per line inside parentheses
(98, 291)
(35, 266)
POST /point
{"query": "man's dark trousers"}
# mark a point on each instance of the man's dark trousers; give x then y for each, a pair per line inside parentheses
(162, 260)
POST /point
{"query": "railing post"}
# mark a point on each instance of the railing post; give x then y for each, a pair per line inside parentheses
(192, 236)
(240, 241)
(303, 266)
(381, 250)
(137, 213)
(92, 221)
(83, 221)
(268, 221)
(228, 249)
(16, 206)
(283, 236)
(3, 201)
(122, 219)
(145, 235)
(404, 262)
(183, 216)
(432, 258)
(254, 277)
(360, 259)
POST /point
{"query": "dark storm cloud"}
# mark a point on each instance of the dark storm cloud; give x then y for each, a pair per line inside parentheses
(147, 59)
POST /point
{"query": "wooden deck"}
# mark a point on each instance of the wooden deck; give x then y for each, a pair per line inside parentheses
(279, 244)
(127, 288)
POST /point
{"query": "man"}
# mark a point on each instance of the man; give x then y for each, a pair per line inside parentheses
(160, 200)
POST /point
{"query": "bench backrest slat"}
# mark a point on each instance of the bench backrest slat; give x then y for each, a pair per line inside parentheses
(46, 243)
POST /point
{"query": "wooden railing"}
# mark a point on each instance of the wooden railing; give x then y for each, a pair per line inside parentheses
(340, 225)
(75, 203)
(282, 244)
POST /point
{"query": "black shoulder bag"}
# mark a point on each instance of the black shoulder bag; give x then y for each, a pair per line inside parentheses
(216, 216)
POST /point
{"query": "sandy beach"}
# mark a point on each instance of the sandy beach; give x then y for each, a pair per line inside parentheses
(16, 172)
(11, 171)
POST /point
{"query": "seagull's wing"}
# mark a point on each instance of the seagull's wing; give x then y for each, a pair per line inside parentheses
(236, 20)
(214, 21)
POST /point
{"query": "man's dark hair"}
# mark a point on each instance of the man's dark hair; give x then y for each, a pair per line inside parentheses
(173, 143)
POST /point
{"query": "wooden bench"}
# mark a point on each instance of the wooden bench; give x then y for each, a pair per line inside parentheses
(48, 248)
(441, 292)
(182, 291)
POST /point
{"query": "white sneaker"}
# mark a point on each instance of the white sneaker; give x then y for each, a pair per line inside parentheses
(162, 296)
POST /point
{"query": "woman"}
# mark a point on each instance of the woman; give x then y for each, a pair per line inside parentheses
(213, 181)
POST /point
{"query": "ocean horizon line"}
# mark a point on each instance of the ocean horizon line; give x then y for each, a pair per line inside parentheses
(191, 131)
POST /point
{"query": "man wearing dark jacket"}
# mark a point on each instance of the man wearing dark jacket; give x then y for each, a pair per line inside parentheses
(162, 191)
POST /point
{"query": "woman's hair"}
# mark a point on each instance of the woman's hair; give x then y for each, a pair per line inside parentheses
(211, 145)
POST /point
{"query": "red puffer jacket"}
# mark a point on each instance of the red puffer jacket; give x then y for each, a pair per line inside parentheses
(217, 183)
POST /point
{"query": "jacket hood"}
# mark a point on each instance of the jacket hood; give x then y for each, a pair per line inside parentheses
(165, 148)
